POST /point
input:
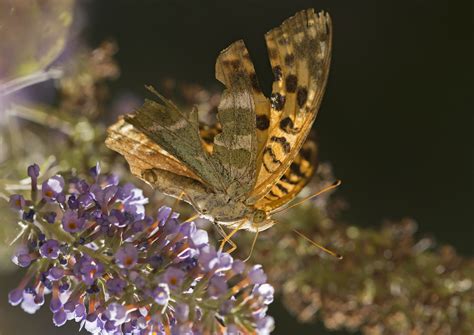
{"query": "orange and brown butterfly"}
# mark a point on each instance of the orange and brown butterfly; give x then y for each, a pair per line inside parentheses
(256, 159)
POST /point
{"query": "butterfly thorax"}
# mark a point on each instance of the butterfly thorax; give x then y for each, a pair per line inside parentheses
(220, 207)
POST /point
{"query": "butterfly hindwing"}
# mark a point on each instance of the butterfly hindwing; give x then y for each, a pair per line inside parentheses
(299, 52)
(295, 178)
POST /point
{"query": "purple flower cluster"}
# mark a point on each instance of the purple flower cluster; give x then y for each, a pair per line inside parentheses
(116, 270)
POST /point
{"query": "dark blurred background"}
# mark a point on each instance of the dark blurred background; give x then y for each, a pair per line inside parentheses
(395, 121)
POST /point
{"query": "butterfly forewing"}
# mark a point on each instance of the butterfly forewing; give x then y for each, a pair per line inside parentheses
(152, 163)
(235, 146)
(178, 134)
(235, 60)
(299, 53)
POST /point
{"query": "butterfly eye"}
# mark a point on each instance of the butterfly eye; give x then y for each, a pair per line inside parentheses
(203, 210)
(259, 216)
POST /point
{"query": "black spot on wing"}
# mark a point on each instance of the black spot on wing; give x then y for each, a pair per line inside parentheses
(306, 154)
(291, 83)
(273, 195)
(283, 142)
(270, 152)
(235, 64)
(289, 59)
(254, 82)
(278, 101)
(262, 122)
(288, 126)
(289, 181)
(282, 188)
(301, 96)
(266, 167)
(283, 40)
(295, 168)
(277, 73)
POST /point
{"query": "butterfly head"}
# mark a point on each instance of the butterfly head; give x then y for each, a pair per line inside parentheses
(225, 210)
(260, 221)
(255, 220)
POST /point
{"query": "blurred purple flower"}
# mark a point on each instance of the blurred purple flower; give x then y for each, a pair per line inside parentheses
(256, 275)
(127, 256)
(50, 217)
(161, 294)
(50, 249)
(15, 297)
(33, 173)
(59, 318)
(126, 273)
(71, 222)
(173, 277)
(217, 286)
(88, 269)
(17, 202)
(52, 188)
(116, 286)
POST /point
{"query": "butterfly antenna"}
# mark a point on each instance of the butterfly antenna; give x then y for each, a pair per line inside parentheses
(173, 207)
(192, 218)
(324, 190)
(253, 246)
(326, 250)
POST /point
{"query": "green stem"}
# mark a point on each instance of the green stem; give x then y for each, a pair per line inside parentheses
(29, 80)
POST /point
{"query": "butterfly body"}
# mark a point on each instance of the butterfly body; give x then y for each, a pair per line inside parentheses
(256, 158)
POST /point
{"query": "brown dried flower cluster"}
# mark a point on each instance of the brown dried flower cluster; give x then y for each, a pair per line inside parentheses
(389, 282)
(83, 89)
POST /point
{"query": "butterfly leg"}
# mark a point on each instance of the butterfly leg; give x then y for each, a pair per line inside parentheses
(223, 234)
(232, 248)
(228, 240)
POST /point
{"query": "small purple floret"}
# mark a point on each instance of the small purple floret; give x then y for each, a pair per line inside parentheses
(71, 222)
(52, 188)
(17, 202)
(256, 275)
(161, 294)
(50, 249)
(59, 318)
(116, 285)
(127, 256)
(15, 297)
(173, 277)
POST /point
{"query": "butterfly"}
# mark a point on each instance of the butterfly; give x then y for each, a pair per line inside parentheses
(256, 158)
